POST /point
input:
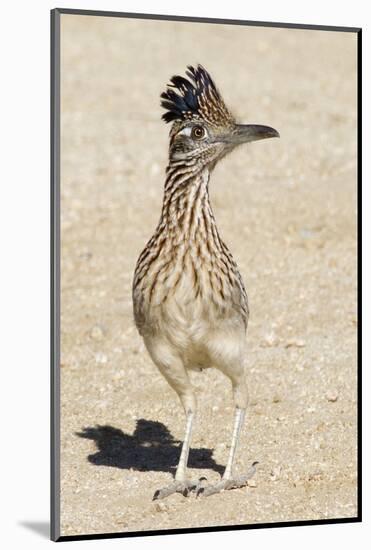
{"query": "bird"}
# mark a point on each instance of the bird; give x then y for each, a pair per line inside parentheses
(189, 300)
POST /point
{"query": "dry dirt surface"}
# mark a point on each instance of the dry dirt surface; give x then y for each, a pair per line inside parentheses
(287, 210)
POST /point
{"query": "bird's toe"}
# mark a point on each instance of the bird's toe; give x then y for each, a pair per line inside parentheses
(228, 483)
(185, 487)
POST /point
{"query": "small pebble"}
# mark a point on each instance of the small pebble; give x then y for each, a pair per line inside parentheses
(161, 507)
(275, 473)
(96, 333)
(122, 523)
(269, 340)
(315, 476)
(295, 344)
(251, 483)
(332, 396)
(101, 358)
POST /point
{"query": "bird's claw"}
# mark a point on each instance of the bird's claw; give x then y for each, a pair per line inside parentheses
(228, 483)
(184, 487)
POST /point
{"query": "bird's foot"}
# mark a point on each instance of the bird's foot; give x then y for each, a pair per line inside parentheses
(228, 483)
(184, 487)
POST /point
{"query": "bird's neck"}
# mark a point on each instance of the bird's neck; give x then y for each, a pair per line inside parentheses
(187, 215)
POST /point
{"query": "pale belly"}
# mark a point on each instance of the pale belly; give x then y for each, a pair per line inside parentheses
(199, 324)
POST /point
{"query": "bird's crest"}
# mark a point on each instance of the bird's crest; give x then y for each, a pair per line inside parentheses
(195, 98)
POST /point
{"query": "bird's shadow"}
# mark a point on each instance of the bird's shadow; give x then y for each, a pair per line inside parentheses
(151, 447)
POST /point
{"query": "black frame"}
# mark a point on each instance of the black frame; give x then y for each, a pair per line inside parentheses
(55, 273)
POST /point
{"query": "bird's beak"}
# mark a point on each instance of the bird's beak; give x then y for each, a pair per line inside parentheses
(244, 133)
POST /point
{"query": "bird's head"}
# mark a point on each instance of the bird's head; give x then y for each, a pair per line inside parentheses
(203, 128)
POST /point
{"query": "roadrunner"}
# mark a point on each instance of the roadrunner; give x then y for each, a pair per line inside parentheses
(190, 303)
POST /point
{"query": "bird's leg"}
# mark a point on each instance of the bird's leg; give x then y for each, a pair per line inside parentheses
(238, 422)
(229, 481)
(181, 483)
(178, 379)
(183, 460)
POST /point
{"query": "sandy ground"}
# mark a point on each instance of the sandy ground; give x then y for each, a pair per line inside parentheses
(287, 210)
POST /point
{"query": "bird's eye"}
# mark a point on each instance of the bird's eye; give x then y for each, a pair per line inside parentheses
(198, 132)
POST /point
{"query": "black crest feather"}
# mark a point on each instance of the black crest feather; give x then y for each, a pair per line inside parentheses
(186, 98)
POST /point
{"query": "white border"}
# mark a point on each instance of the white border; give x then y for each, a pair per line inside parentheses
(24, 231)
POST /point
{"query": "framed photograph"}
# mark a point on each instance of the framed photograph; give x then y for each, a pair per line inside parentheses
(205, 317)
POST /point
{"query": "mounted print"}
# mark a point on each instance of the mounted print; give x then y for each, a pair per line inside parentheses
(205, 372)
